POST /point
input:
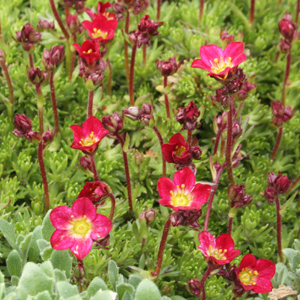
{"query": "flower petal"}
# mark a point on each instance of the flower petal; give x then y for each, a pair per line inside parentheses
(206, 240)
(263, 285)
(235, 51)
(186, 177)
(232, 254)
(199, 63)
(177, 139)
(60, 217)
(209, 52)
(101, 227)
(61, 240)
(201, 192)
(84, 207)
(167, 150)
(77, 132)
(225, 241)
(249, 261)
(265, 268)
(165, 186)
(82, 247)
(165, 202)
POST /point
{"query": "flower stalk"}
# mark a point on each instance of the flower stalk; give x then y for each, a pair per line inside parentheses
(278, 215)
(131, 78)
(229, 146)
(158, 10)
(40, 106)
(54, 106)
(72, 63)
(297, 12)
(286, 77)
(96, 177)
(161, 141)
(252, 10)
(58, 19)
(162, 247)
(127, 23)
(279, 135)
(144, 55)
(201, 9)
(202, 282)
(90, 104)
(31, 64)
(166, 97)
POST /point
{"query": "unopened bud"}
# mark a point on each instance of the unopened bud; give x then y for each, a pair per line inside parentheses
(112, 123)
(196, 152)
(73, 23)
(47, 137)
(36, 76)
(86, 163)
(147, 109)
(45, 25)
(132, 112)
(22, 123)
(195, 286)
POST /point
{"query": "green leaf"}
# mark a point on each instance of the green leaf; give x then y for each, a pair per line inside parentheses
(134, 280)
(104, 295)
(288, 203)
(126, 296)
(2, 285)
(14, 263)
(34, 252)
(126, 143)
(47, 227)
(62, 260)
(147, 290)
(59, 275)
(43, 296)
(124, 287)
(24, 247)
(66, 290)
(8, 232)
(113, 272)
(96, 285)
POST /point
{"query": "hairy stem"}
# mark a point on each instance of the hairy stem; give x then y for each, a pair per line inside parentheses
(161, 141)
(286, 77)
(279, 245)
(128, 181)
(94, 169)
(44, 176)
(113, 206)
(297, 12)
(202, 282)
(162, 247)
(277, 56)
(252, 10)
(131, 78)
(166, 97)
(58, 19)
(127, 23)
(229, 146)
(158, 10)
(201, 8)
(109, 77)
(90, 104)
(54, 106)
(279, 135)
(30, 60)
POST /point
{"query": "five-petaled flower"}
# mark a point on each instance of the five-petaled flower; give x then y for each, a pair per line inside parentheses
(182, 193)
(89, 52)
(177, 150)
(218, 62)
(78, 227)
(255, 274)
(220, 250)
(101, 9)
(87, 137)
(101, 29)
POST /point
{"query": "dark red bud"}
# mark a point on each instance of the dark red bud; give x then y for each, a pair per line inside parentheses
(45, 25)
(86, 163)
(47, 137)
(22, 123)
(133, 113)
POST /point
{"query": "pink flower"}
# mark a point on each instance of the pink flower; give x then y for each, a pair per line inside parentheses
(182, 193)
(218, 62)
(78, 227)
(94, 191)
(221, 250)
(89, 53)
(255, 274)
(87, 137)
(101, 9)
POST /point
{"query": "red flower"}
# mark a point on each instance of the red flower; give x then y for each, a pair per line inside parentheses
(87, 137)
(218, 62)
(256, 274)
(101, 29)
(89, 52)
(221, 250)
(177, 151)
(182, 193)
(101, 9)
(78, 227)
(95, 191)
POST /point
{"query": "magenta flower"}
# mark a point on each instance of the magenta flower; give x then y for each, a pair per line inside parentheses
(78, 227)
(182, 193)
(220, 250)
(218, 62)
(87, 137)
(255, 274)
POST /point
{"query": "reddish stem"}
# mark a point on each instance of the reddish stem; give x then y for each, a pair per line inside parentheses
(189, 136)
(158, 10)
(294, 183)
(286, 77)
(279, 245)
(252, 10)
(279, 135)
(131, 78)
(128, 181)
(201, 9)
(30, 60)
(202, 282)
(58, 19)
(127, 23)
(8, 80)
(297, 12)
(166, 97)
(67, 12)
(90, 104)
(229, 146)
(109, 77)
(162, 247)
(113, 206)
(54, 106)
(44, 176)
(217, 141)
(211, 197)
(94, 169)
(161, 141)
(277, 57)
(144, 55)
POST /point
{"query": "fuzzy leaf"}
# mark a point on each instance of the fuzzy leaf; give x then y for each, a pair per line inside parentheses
(47, 227)
(113, 272)
(2, 285)
(134, 280)
(96, 285)
(62, 260)
(14, 263)
(66, 290)
(147, 290)
(123, 288)
(104, 295)
(24, 247)
(8, 232)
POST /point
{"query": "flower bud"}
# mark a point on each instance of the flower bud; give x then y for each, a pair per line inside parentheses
(225, 37)
(139, 5)
(133, 37)
(236, 129)
(270, 194)
(22, 123)
(73, 23)
(284, 47)
(36, 76)
(149, 26)
(96, 77)
(53, 57)
(237, 196)
(188, 116)
(133, 113)
(150, 215)
(28, 35)
(281, 113)
(112, 123)
(186, 218)
(287, 28)
(147, 109)
(45, 25)
(33, 136)
(139, 158)
(145, 119)
(195, 286)
(167, 68)
(196, 152)
(282, 184)
(86, 163)
(47, 137)
(242, 94)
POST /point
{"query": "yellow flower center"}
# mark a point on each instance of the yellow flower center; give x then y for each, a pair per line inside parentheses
(179, 150)
(219, 254)
(89, 140)
(180, 197)
(99, 33)
(81, 227)
(248, 276)
(106, 14)
(219, 65)
(89, 51)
